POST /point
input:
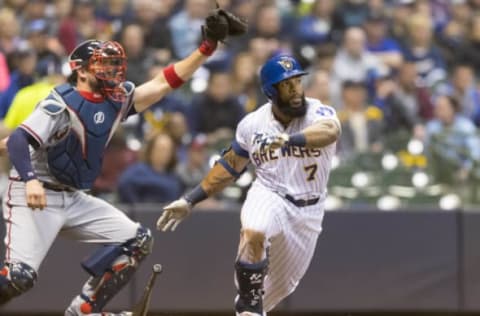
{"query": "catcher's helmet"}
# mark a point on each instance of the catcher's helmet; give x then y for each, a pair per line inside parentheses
(106, 60)
(276, 69)
(80, 56)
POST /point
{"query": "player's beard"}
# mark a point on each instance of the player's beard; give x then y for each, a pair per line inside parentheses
(287, 109)
(95, 85)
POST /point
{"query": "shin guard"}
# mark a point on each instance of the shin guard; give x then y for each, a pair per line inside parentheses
(101, 287)
(249, 279)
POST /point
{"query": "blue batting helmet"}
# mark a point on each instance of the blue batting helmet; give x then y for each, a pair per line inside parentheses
(276, 69)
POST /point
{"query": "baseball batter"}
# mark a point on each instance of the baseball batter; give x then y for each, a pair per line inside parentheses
(290, 141)
(57, 154)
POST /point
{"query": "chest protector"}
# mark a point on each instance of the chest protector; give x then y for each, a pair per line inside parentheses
(77, 159)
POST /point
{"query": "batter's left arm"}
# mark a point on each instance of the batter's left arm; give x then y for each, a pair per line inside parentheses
(223, 173)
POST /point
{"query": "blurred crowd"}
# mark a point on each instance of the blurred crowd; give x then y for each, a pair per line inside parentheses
(397, 71)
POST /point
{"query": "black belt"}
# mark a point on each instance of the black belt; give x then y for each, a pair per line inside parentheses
(57, 187)
(301, 202)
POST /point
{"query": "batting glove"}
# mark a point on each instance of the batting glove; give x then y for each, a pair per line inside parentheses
(173, 214)
(274, 142)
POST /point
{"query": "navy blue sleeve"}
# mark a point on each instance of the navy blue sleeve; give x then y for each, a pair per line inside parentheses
(17, 146)
(239, 150)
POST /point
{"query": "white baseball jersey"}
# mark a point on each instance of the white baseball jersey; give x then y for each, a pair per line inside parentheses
(291, 230)
(298, 171)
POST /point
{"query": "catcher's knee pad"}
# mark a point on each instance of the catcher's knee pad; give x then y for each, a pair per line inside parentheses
(15, 278)
(111, 268)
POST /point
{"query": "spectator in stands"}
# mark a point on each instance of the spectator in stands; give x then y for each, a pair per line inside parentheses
(399, 114)
(185, 24)
(470, 52)
(266, 28)
(314, 30)
(176, 126)
(27, 98)
(362, 125)
(9, 34)
(325, 57)
(47, 48)
(351, 13)
(421, 50)
(263, 48)
(195, 167)
(153, 16)
(402, 10)
(378, 7)
(244, 81)
(116, 14)
(353, 62)
(412, 94)
(216, 112)
(81, 26)
(318, 26)
(244, 8)
(452, 138)
(153, 179)
(268, 22)
(32, 11)
(116, 160)
(464, 88)
(63, 10)
(22, 76)
(139, 57)
(454, 31)
(4, 74)
(317, 85)
(379, 44)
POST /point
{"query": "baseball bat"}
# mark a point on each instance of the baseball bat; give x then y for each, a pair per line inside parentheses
(141, 308)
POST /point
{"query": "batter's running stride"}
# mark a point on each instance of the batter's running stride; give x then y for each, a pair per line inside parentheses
(291, 141)
(57, 154)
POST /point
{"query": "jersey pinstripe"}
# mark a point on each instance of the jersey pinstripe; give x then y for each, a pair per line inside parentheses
(291, 231)
(300, 172)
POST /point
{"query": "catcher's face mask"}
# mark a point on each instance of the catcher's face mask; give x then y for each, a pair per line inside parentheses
(108, 64)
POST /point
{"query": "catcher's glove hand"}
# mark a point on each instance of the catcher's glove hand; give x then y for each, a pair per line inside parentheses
(236, 25)
(173, 214)
(220, 23)
(216, 27)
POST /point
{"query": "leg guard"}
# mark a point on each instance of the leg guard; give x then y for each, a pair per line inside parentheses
(249, 279)
(15, 278)
(118, 264)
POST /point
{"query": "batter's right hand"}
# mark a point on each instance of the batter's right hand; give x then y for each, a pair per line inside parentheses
(173, 214)
(35, 194)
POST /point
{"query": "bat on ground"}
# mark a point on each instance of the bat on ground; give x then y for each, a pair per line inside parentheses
(141, 308)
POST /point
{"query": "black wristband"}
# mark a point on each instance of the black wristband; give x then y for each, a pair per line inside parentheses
(198, 194)
(297, 139)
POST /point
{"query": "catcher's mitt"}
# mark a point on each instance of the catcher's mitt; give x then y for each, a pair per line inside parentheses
(236, 25)
(220, 23)
(216, 27)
